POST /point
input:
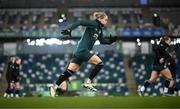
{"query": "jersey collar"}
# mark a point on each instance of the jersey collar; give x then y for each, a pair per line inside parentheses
(99, 23)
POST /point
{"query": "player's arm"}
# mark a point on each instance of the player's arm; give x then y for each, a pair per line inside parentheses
(8, 67)
(108, 40)
(17, 73)
(88, 23)
(167, 55)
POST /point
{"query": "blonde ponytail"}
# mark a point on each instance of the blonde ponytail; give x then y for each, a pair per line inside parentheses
(99, 15)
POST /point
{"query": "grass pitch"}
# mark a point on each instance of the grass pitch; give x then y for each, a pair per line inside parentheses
(91, 102)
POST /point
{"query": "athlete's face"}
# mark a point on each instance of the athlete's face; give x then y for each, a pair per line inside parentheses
(104, 20)
(168, 41)
(18, 61)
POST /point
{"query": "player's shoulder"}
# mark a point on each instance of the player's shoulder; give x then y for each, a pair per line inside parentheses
(92, 21)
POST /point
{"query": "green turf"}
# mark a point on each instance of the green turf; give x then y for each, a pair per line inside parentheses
(91, 102)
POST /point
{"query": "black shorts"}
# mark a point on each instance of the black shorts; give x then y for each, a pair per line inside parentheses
(158, 68)
(12, 78)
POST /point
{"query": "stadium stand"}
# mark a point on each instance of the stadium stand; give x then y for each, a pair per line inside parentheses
(38, 71)
(126, 22)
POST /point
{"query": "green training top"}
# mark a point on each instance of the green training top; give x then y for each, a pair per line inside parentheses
(92, 33)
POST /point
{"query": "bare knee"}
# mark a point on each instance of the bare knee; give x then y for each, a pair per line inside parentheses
(152, 80)
(12, 85)
(167, 74)
(17, 86)
(154, 76)
(94, 60)
(73, 67)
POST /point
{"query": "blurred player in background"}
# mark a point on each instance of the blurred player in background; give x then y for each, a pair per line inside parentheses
(160, 65)
(17, 76)
(13, 77)
(83, 53)
(10, 67)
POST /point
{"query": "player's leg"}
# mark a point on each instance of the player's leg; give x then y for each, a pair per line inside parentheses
(63, 86)
(153, 78)
(17, 86)
(167, 83)
(170, 84)
(170, 90)
(176, 90)
(166, 86)
(17, 89)
(11, 89)
(98, 66)
(7, 92)
(67, 73)
(174, 77)
(63, 77)
(167, 74)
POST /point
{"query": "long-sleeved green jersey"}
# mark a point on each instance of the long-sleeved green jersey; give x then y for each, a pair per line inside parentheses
(92, 33)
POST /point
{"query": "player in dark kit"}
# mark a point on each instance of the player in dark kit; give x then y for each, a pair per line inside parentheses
(172, 67)
(13, 77)
(9, 91)
(17, 76)
(160, 65)
(82, 53)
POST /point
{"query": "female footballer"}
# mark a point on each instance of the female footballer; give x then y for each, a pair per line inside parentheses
(82, 53)
(160, 65)
(13, 77)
